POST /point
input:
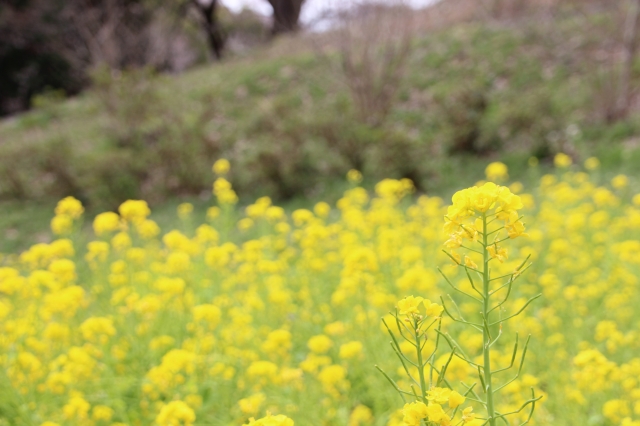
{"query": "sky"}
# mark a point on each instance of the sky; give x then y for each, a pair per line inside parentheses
(310, 10)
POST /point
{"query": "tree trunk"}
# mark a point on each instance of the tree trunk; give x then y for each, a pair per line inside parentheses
(286, 14)
(215, 35)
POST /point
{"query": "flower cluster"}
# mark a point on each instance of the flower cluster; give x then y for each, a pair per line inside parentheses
(217, 322)
(433, 412)
(463, 221)
(271, 420)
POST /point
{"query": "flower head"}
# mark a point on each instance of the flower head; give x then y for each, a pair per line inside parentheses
(413, 413)
(409, 305)
(221, 167)
(497, 171)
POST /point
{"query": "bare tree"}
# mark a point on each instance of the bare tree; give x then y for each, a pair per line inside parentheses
(374, 45)
(286, 14)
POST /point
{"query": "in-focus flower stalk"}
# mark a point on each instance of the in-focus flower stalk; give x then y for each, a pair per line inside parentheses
(478, 217)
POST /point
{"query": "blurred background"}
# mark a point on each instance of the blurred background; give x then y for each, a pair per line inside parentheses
(109, 100)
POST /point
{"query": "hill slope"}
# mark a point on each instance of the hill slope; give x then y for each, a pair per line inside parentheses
(284, 117)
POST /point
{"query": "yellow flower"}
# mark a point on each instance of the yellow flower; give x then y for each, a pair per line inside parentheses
(271, 420)
(147, 229)
(69, 206)
(350, 350)
(455, 399)
(470, 263)
(409, 305)
(496, 171)
(336, 328)
(468, 415)
(562, 160)
(121, 241)
(516, 229)
(319, 344)
(252, 404)
(176, 413)
(208, 313)
(97, 328)
(213, 212)
(332, 375)
(262, 369)
(360, 416)
(77, 408)
(467, 202)
(455, 241)
(413, 413)
(591, 163)
(245, 223)
(498, 252)
(221, 167)
(134, 210)
(438, 395)
(354, 176)
(61, 224)
(97, 250)
(432, 309)
(224, 192)
(616, 409)
(322, 209)
(620, 181)
(437, 414)
(102, 412)
(106, 222)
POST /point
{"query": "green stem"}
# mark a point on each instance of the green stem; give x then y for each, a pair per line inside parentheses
(486, 338)
(423, 386)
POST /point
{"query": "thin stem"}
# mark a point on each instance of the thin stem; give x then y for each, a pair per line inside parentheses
(471, 281)
(393, 383)
(432, 357)
(463, 321)
(443, 370)
(470, 249)
(496, 242)
(456, 288)
(423, 385)
(471, 391)
(496, 230)
(524, 354)
(399, 324)
(486, 338)
(513, 357)
(519, 311)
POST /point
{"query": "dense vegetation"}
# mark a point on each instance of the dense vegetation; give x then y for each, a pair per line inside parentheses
(259, 310)
(201, 307)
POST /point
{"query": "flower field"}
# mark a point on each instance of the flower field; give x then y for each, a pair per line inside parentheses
(258, 311)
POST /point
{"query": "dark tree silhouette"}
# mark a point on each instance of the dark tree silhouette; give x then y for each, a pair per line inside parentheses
(286, 14)
(215, 35)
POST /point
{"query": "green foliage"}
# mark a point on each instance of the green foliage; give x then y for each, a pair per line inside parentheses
(290, 127)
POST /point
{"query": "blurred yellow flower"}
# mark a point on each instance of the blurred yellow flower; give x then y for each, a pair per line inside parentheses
(221, 167)
(496, 171)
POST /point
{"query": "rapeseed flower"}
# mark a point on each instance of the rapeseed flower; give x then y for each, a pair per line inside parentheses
(161, 320)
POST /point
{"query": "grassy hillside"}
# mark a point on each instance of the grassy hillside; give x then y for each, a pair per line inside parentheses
(284, 117)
